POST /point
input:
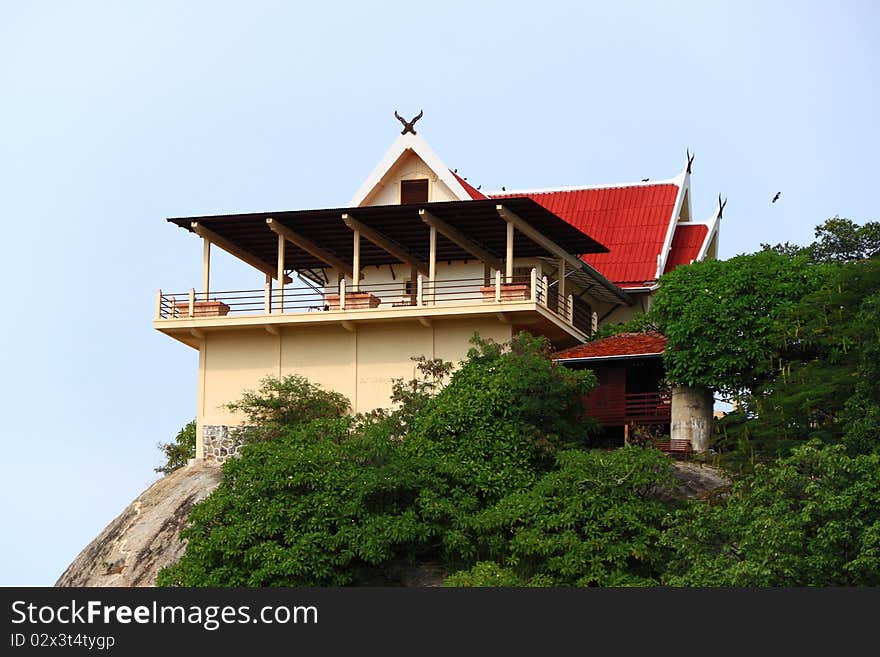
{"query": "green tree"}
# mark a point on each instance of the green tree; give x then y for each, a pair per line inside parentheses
(316, 506)
(842, 240)
(811, 519)
(179, 451)
(505, 412)
(830, 340)
(838, 240)
(289, 401)
(722, 318)
(594, 520)
(861, 414)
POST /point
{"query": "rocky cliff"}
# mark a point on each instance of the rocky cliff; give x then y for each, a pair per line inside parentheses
(144, 538)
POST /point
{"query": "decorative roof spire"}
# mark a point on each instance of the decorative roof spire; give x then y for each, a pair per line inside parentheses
(408, 125)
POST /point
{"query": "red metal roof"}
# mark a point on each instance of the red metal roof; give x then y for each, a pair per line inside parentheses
(631, 221)
(686, 244)
(475, 194)
(622, 344)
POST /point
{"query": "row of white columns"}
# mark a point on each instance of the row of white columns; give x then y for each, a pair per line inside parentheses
(278, 306)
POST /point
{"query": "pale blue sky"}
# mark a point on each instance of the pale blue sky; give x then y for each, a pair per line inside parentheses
(115, 116)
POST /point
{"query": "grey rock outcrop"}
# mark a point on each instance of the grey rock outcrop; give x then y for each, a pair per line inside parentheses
(144, 537)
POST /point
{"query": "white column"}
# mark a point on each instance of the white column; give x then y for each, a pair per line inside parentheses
(533, 283)
(356, 259)
(432, 262)
(206, 267)
(561, 289)
(267, 300)
(279, 306)
(508, 264)
(692, 416)
(413, 277)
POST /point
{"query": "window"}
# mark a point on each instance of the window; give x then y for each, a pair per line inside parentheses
(414, 191)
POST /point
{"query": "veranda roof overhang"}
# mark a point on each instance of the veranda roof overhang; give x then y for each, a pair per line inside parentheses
(480, 222)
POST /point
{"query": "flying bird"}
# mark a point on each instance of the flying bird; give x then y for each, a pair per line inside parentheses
(775, 198)
(503, 188)
(645, 179)
(408, 125)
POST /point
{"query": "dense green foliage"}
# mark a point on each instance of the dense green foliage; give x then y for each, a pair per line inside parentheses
(824, 384)
(489, 470)
(811, 519)
(280, 403)
(838, 240)
(722, 318)
(594, 520)
(317, 506)
(180, 450)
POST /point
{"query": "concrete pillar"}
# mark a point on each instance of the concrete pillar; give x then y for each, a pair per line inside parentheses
(692, 414)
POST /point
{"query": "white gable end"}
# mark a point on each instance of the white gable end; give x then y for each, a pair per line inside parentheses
(409, 158)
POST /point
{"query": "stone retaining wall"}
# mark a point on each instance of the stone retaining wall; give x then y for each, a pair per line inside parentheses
(220, 442)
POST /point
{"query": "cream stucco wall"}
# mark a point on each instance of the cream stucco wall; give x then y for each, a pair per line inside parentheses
(359, 363)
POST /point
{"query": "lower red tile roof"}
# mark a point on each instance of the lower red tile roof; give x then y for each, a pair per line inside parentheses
(622, 344)
(686, 244)
(631, 221)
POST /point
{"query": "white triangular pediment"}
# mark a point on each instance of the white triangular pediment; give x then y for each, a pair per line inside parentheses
(409, 157)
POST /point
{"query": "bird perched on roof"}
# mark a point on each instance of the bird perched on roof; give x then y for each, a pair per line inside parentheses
(775, 198)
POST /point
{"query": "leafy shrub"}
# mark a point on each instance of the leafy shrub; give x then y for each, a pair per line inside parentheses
(180, 450)
(285, 402)
(595, 520)
(811, 519)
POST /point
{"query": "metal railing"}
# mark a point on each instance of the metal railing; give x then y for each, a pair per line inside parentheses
(347, 297)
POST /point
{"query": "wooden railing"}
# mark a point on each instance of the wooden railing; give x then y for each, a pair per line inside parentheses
(397, 294)
(638, 407)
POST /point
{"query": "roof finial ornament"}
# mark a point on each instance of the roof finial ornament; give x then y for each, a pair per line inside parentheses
(690, 159)
(721, 206)
(408, 125)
